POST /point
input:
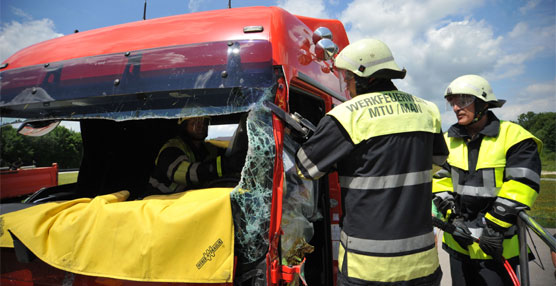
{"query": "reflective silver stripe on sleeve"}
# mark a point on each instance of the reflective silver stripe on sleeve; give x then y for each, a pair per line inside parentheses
(486, 192)
(193, 173)
(387, 246)
(444, 195)
(439, 159)
(159, 186)
(516, 173)
(508, 203)
(170, 171)
(385, 182)
(442, 173)
(312, 169)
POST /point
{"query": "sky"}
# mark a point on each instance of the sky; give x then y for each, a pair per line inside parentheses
(511, 43)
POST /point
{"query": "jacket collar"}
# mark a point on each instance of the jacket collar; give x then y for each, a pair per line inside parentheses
(491, 129)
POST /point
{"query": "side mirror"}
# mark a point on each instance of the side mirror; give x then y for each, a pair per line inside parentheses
(321, 33)
(37, 128)
(325, 49)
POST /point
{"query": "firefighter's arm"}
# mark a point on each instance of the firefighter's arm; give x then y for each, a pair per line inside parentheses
(520, 187)
(319, 154)
(443, 191)
(173, 164)
(440, 150)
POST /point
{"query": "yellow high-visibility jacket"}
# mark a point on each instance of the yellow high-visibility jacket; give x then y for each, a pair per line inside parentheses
(490, 178)
(383, 145)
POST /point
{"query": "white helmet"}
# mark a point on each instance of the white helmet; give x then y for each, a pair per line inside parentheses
(476, 86)
(369, 57)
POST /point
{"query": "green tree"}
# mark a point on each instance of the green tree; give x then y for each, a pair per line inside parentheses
(61, 145)
(543, 126)
(14, 147)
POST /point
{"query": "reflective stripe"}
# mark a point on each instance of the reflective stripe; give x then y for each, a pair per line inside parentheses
(180, 175)
(219, 166)
(488, 190)
(519, 192)
(387, 246)
(444, 195)
(172, 166)
(497, 221)
(488, 178)
(506, 202)
(159, 186)
(455, 176)
(312, 169)
(389, 269)
(476, 191)
(193, 176)
(442, 173)
(516, 173)
(385, 182)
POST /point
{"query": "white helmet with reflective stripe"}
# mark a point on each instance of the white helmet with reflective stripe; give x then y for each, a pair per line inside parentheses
(474, 85)
(369, 57)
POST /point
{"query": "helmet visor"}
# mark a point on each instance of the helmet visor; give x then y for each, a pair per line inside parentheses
(459, 100)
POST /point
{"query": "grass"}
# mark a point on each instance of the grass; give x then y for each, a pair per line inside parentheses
(544, 209)
(67, 178)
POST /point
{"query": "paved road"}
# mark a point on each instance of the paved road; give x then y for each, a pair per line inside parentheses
(538, 276)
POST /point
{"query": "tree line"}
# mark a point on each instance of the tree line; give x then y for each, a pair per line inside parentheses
(543, 126)
(64, 146)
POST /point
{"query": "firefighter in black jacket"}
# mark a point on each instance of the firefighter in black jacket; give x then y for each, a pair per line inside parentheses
(187, 161)
(383, 143)
(492, 173)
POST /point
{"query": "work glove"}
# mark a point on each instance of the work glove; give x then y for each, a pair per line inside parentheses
(232, 164)
(463, 238)
(491, 243)
(446, 206)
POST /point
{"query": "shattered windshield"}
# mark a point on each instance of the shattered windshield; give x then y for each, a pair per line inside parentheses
(207, 78)
(253, 196)
(110, 92)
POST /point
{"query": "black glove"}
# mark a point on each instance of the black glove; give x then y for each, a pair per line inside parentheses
(491, 243)
(232, 164)
(445, 206)
(462, 235)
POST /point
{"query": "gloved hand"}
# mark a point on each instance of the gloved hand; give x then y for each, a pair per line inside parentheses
(446, 206)
(232, 164)
(464, 239)
(491, 243)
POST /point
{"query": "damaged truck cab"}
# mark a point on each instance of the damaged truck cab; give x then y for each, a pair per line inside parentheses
(262, 71)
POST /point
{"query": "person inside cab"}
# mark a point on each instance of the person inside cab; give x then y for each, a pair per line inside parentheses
(382, 143)
(492, 173)
(188, 161)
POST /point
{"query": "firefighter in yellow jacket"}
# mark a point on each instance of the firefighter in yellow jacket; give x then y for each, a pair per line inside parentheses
(187, 161)
(383, 143)
(492, 173)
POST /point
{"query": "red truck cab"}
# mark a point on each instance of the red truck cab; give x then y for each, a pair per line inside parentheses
(261, 69)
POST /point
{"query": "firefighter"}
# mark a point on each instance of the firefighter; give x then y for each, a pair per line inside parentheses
(187, 161)
(492, 173)
(382, 143)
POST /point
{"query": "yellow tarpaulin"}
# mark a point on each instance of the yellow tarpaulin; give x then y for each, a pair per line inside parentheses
(185, 237)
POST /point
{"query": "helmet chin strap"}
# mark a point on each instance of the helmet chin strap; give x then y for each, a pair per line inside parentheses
(480, 110)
